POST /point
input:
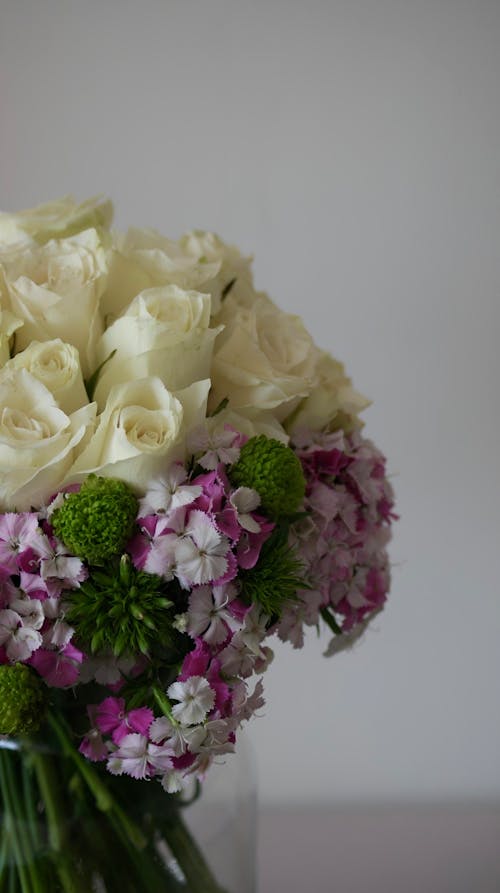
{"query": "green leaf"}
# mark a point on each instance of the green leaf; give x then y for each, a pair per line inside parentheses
(91, 383)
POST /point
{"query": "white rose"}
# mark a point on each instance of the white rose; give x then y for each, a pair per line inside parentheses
(145, 259)
(333, 401)
(263, 359)
(54, 220)
(164, 333)
(142, 430)
(55, 289)
(57, 365)
(235, 270)
(38, 441)
(249, 422)
(8, 325)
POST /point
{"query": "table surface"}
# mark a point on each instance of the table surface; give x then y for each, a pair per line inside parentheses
(380, 849)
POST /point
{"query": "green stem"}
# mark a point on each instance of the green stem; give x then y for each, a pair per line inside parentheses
(57, 819)
(330, 621)
(191, 860)
(103, 797)
(30, 807)
(11, 820)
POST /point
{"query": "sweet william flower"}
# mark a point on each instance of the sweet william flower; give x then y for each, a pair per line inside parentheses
(20, 639)
(216, 446)
(195, 699)
(19, 534)
(137, 757)
(180, 739)
(201, 553)
(244, 500)
(168, 492)
(209, 616)
(59, 668)
(111, 717)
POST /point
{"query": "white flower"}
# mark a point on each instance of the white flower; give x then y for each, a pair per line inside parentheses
(200, 555)
(234, 274)
(216, 739)
(247, 421)
(56, 563)
(142, 429)
(144, 259)
(8, 325)
(168, 492)
(244, 500)
(57, 366)
(332, 399)
(173, 781)
(164, 332)
(264, 358)
(161, 555)
(179, 738)
(38, 441)
(195, 699)
(254, 629)
(216, 446)
(30, 611)
(131, 757)
(208, 616)
(55, 289)
(20, 639)
(54, 220)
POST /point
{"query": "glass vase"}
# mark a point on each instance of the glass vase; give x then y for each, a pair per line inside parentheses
(68, 826)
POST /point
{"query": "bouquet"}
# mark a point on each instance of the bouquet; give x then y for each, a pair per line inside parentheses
(183, 475)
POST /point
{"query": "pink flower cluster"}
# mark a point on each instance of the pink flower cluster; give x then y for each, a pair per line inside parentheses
(342, 540)
(35, 570)
(197, 532)
(202, 711)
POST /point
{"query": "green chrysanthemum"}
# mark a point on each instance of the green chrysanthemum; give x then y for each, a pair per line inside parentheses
(23, 700)
(275, 579)
(273, 469)
(122, 610)
(96, 522)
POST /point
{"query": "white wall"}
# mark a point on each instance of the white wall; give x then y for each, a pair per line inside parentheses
(354, 147)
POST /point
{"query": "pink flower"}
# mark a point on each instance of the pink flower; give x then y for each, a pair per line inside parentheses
(59, 668)
(111, 718)
(21, 541)
(250, 543)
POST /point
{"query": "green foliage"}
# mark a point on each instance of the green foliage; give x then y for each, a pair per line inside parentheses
(122, 610)
(23, 700)
(273, 469)
(276, 578)
(96, 522)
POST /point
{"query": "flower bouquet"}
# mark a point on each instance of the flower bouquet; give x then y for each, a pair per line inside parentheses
(183, 475)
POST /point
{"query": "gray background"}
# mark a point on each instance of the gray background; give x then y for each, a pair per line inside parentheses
(354, 148)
